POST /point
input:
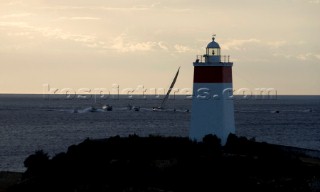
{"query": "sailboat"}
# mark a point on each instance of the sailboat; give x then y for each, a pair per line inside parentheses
(136, 108)
(107, 107)
(168, 93)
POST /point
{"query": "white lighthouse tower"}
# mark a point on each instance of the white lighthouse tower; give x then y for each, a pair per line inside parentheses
(212, 101)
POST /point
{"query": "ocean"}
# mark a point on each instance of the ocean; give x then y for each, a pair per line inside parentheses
(34, 122)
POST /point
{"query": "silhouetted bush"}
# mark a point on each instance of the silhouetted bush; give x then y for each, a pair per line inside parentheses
(39, 159)
(36, 164)
(212, 140)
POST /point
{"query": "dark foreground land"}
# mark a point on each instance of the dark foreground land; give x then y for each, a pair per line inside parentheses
(170, 164)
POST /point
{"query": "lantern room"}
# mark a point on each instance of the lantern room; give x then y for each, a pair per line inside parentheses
(212, 52)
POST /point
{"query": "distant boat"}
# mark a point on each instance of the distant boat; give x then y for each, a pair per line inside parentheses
(107, 107)
(136, 108)
(93, 109)
(168, 93)
(307, 110)
(75, 111)
(156, 109)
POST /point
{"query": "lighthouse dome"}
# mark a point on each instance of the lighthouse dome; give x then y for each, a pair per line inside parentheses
(213, 44)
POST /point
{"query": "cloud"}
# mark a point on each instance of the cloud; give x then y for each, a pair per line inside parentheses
(14, 24)
(314, 1)
(276, 44)
(182, 49)
(308, 56)
(59, 34)
(21, 34)
(103, 8)
(15, 3)
(16, 15)
(238, 43)
(301, 57)
(163, 46)
(80, 18)
(54, 33)
(242, 44)
(134, 8)
(179, 10)
(121, 44)
(280, 50)
(286, 56)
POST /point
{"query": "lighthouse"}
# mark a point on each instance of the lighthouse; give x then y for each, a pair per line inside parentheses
(212, 100)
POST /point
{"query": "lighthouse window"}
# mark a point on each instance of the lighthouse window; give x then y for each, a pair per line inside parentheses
(213, 51)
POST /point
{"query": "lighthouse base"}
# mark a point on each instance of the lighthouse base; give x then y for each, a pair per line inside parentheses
(212, 111)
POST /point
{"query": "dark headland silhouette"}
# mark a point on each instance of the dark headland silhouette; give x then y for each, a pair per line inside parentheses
(157, 164)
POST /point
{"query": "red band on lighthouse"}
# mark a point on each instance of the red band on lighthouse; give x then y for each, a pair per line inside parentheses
(209, 74)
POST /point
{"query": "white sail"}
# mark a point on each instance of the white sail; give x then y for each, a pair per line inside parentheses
(169, 90)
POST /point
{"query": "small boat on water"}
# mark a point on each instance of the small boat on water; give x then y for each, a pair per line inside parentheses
(307, 110)
(107, 107)
(93, 109)
(136, 108)
(157, 109)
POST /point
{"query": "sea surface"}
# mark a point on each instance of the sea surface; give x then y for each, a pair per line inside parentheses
(36, 122)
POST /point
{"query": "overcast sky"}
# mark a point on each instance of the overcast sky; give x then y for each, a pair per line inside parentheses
(97, 43)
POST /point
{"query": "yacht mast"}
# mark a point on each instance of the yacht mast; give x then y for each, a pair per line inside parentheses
(169, 90)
